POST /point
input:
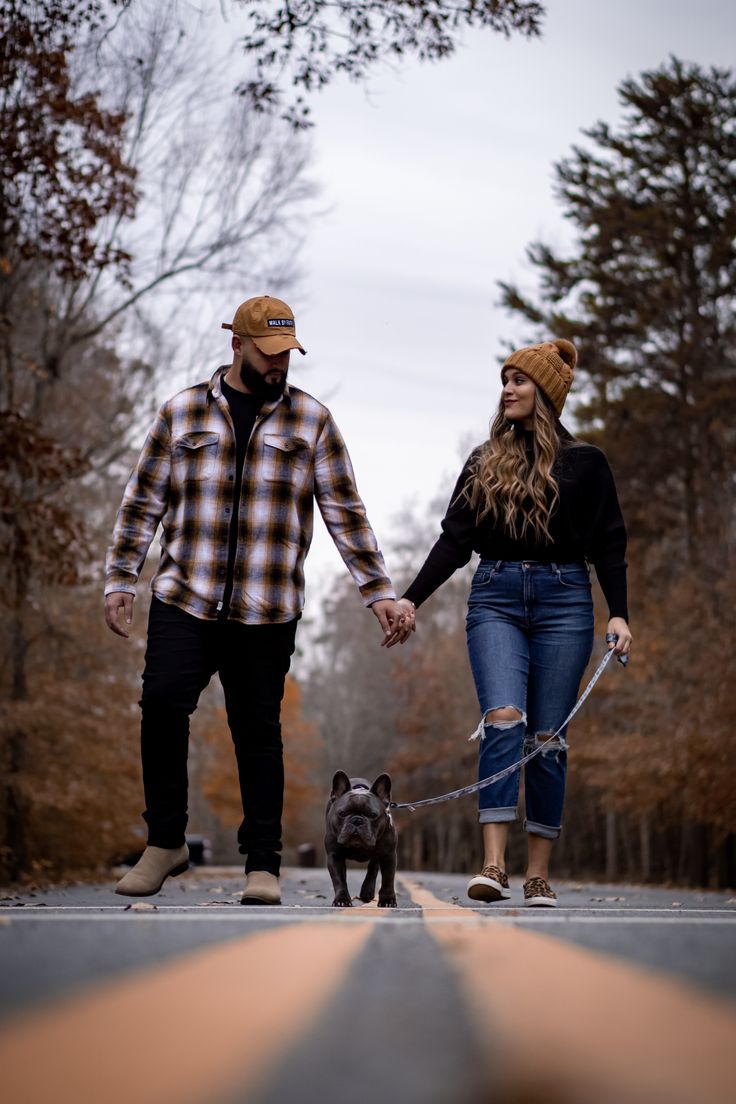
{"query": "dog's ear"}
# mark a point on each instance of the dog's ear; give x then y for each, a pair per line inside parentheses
(382, 787)
(340, 785)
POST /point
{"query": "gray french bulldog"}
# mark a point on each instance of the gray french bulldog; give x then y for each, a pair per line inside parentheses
(359, 827)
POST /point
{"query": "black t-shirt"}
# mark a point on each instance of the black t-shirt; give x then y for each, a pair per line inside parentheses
(244, 409)
(586, 526)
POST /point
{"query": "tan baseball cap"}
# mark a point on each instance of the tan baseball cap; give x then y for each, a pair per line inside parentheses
(268, 321)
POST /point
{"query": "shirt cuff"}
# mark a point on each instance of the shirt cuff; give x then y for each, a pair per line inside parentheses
(124, 586)
(377, 592)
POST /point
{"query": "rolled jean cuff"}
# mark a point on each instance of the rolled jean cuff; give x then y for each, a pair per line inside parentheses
(496, 816)
(543, 830)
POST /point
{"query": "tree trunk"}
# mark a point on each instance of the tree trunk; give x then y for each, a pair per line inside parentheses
(16, 833)
(726, 863)
(645, 843)
(611, 848)
(699, 872)
(626, 835)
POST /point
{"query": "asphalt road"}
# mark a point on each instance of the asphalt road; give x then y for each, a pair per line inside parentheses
(622, 993)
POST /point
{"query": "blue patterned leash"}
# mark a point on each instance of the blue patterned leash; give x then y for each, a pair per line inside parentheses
(412, 805)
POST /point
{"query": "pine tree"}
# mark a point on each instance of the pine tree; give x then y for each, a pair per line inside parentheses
(648, 293)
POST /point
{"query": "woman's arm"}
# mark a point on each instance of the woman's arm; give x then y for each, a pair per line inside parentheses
(607, 553)
(606, 534)
(452, 549)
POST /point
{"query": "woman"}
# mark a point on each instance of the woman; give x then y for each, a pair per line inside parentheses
(538, 506)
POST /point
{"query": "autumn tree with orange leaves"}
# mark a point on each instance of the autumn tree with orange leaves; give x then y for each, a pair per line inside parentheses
(93, 99)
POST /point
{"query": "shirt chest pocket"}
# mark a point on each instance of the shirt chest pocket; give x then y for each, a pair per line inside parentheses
(285, 459)
(194, 456)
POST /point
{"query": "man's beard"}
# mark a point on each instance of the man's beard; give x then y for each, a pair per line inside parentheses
(257, 385)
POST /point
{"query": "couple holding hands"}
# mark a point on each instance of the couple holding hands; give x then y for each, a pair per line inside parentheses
(231, 469)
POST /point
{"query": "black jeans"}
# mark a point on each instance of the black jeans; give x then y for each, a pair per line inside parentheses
(252, 661)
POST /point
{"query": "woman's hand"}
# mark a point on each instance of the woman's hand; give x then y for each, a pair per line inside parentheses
(403, 624)
(618, 627)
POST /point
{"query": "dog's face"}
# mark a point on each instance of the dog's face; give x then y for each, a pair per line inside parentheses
(357, 813)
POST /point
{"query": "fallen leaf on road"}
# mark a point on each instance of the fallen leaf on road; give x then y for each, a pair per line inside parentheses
(5, 921)
(731, 901)
(677, 904)
(141, 906)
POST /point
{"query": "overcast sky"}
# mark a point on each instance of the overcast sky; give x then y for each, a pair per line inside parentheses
(436, 180)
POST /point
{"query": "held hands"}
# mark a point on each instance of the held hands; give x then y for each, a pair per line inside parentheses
(114, 603)
(618, 627)
(397, 620)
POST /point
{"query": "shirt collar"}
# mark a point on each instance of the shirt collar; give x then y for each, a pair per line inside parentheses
(214, 388)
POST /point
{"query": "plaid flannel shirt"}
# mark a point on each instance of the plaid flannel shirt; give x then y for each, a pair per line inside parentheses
(185, 477)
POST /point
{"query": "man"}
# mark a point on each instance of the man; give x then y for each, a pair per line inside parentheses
(232, 468)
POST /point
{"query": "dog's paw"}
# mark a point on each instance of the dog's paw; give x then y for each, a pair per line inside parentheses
(366, 897)
(387, 902)
(342, 901)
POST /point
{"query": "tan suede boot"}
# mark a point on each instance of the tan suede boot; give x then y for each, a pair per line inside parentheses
(152, 869)
(261, 888)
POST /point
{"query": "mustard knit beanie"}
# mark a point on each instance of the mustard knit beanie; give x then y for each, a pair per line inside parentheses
(550, 364)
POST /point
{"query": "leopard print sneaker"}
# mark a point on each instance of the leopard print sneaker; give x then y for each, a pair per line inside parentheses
(490, 885)
(539, 894)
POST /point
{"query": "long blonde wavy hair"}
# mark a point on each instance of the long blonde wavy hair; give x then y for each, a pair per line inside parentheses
(520, 495)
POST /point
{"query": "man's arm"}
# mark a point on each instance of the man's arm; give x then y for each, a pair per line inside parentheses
(144, 504)
(344, 515)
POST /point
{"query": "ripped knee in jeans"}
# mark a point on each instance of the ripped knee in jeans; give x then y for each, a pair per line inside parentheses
(505, 717)
(554, 746)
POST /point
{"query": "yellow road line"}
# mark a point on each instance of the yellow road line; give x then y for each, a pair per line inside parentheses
(432, 906)
(563, 1023)
(188, 1032)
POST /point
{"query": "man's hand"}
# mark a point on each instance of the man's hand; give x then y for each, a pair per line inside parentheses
(397, 620)
(114, 603)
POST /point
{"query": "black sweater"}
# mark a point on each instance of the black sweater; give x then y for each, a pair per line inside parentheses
(244, 410)
(585, 525)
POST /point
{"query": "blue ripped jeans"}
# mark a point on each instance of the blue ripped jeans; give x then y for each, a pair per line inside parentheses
(530, 635)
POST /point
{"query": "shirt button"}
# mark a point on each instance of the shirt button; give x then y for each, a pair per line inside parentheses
(231, 476)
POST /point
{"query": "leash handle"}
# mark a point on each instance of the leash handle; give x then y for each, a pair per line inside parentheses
(611, 638)
(475, 786)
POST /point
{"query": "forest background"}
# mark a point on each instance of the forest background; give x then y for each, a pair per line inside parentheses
(114, 231)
